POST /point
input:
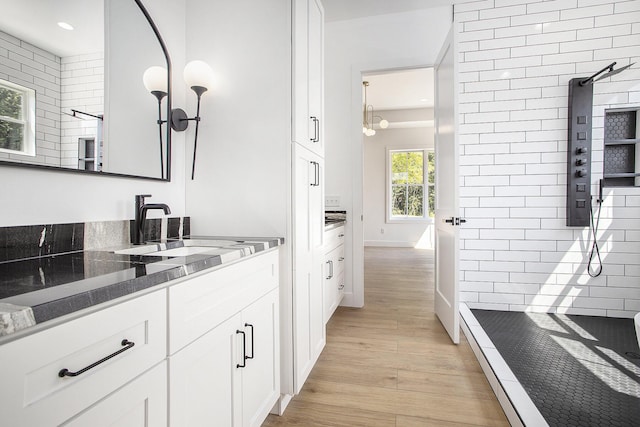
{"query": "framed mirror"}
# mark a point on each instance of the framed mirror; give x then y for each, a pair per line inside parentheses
(72, 96)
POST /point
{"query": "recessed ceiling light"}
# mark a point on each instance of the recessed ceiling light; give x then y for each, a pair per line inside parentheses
(424, 100)
(65, 26)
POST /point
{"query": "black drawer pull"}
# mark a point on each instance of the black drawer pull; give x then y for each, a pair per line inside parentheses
(340, 235)
(66, 373)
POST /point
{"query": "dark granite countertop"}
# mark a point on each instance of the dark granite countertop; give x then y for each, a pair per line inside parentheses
(35, 290)
(334, 219)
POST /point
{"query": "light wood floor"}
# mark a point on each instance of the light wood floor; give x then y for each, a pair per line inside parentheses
(391, 363)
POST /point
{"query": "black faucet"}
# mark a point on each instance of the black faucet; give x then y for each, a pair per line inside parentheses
(141, 216)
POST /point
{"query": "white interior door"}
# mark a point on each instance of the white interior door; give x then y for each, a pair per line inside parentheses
(446, 181)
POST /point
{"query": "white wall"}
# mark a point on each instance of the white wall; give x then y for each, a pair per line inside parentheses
(395, 234)
(352, 47)
(243, 158)
(30, 196)
(516, 60)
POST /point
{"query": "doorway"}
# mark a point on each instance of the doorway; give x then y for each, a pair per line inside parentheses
(398, 158)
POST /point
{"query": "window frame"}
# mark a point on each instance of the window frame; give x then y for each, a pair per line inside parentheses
(425, 218)
(28, 122)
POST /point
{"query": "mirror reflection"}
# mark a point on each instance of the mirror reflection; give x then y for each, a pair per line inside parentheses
(71, 88)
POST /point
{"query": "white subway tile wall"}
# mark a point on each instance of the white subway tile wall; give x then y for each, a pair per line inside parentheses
(29, 66)
(516, 59)
(82, 85)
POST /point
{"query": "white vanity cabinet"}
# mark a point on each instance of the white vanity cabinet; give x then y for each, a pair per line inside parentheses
(34, 394)
(333, 271)
(224, 364)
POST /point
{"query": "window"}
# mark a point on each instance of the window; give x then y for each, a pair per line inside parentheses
(410, 177)
(17, 119)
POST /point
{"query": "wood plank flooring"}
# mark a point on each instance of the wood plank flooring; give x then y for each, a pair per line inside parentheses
(391, 363)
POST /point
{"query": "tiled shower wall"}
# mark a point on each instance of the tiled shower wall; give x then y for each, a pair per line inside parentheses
(29, 66)
(82, 87)
(516, 58)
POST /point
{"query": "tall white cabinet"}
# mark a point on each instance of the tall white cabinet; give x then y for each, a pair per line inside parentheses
(307, 187)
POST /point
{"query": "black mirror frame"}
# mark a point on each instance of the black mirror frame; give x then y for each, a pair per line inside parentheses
(144, 11)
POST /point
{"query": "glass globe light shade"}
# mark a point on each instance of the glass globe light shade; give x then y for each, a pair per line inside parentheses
(370, 132)
(155, 79)
(384, 124)
(198, 73)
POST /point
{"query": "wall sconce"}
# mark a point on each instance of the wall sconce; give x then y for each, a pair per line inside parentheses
(155, 81)
(198, 75)
(368, 116)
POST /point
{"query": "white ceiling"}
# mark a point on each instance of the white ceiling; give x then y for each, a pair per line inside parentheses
(338, 10)
(400, 90)
(36, 22)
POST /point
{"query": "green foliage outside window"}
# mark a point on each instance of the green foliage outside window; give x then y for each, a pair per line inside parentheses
(408, 186)
(11, 133)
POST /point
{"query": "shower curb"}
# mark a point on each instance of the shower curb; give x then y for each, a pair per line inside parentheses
(514, 400)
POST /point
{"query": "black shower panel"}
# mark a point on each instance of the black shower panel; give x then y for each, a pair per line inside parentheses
(579, 153)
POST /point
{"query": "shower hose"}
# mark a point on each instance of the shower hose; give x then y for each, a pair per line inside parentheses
(595, 250)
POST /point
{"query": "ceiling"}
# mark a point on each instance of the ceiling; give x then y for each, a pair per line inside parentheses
(339, 10)
(36, 22)
(399, 90)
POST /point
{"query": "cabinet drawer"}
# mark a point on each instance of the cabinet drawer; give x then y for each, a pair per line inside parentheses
(200, 304)
(33, 393)
(333, 238)
(140, 403)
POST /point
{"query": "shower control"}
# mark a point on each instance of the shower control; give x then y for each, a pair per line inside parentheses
(579, 153)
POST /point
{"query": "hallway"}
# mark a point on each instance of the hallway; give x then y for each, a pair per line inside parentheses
(391, 363)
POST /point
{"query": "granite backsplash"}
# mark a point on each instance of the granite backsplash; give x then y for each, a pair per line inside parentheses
(30, 241)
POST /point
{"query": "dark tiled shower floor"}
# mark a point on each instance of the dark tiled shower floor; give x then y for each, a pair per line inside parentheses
(578, 370)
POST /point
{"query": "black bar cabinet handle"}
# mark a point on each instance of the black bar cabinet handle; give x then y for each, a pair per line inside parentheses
(244, 350)
(317, 174)
(316, 129)
(252, 347)
(67, 373)
(313, 184)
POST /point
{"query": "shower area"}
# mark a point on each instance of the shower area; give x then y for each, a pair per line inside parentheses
(561, 347)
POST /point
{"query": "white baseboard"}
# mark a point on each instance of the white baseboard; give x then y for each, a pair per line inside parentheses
(390, 244)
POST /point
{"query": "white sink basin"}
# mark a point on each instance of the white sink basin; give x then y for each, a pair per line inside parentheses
(189, 247)
(636, 319)
(184, 251)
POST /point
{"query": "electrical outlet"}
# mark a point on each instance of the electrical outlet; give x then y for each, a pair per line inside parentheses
(382, 231)
(332, 201)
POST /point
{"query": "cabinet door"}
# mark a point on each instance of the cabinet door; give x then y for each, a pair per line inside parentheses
(261, 374)
(140, 403)
(204, 388)
(315, 75)
(308, 77)
(308, 322)
(301, 121)
(330, 287)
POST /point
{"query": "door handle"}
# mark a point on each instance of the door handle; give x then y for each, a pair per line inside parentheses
(454, 220)
(315, 182)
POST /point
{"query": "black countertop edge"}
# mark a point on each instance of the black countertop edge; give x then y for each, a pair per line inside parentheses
(46, 307)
